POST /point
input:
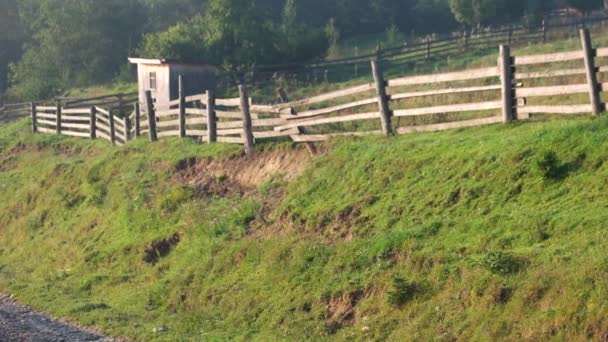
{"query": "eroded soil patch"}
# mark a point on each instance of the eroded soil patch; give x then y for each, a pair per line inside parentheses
(242, 173)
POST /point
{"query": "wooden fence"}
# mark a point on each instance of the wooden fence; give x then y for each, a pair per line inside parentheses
(502, 93)
(91, 123)
(431, 47)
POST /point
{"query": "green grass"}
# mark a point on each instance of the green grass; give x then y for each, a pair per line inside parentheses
(476, 234)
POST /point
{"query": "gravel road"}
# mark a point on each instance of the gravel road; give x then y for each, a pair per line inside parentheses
(21, 324)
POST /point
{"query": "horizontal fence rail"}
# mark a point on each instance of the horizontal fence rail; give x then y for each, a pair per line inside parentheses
(516, 88)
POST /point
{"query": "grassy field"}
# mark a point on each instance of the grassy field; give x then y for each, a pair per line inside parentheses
(477, 234)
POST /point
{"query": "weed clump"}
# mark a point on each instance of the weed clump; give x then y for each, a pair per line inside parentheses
(500, 262)
(549, 165)
(402, 291)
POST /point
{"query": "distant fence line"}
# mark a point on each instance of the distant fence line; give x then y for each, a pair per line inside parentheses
(119, 102)
(242, 121)
(431, 47)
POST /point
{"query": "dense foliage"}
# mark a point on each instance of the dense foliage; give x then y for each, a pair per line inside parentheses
(51, 45)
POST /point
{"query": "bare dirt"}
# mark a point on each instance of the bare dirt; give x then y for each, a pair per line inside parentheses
(242, 172)
(22, 324)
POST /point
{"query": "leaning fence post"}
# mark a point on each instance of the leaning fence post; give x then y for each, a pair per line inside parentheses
(505, 64)
(182, 108)
(544, 31)
(247, 126)
(137, 118)
(385, 113)
(589, 53)
(34, 118)
(211, 117)
(127, 126)
(58, 118)
(151, 117)
(112, 127)
(93, 122)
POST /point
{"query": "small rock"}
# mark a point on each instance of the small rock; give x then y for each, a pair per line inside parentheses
(365, 329)
(159, 329)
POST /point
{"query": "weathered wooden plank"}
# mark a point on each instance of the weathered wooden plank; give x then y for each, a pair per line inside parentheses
(170, 123)
(83, 111)
(46, 108)
(172, 133)
(229, 140)
(234, 102)
(450, 125)
(102, 111)
(275, 134)
(231, 131)
(325, 137)
(101, 126)
(200, 97)
(321, 121)
(328, 96)
(265, 109)
(75, 118)
(268, 122)
(446, 91)
(549, 58)
(196, 133)
(168, 112)
(196, 121)
(45, 116)
(47, 122)
(548, 73)
(552, 90)
(602, 52)
(556, 109)
(446, 77)
(103, 119)
(230, 124)
(75, 134)
(328, 110)
(196, 111)
(103, 135)
(74, 125)
(228, 115)
(449, 108)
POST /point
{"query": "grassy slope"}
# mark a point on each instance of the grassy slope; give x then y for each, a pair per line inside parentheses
(492, 235)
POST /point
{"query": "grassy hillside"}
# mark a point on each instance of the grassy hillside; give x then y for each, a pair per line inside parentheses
(476, 234)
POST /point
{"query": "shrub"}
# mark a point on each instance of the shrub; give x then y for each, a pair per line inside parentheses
(549, 166)
(500, 262)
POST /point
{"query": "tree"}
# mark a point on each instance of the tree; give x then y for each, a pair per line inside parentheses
(76, 42)
(585, 6)
(12, 36)
(473, 12)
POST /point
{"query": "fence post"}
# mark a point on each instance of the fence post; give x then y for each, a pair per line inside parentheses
(112, 127)
(182, 108)
(93, 122)
(505, 64)
(127, 126)
(137, 119)
(58, 118)
(594, 91)
(211, 117)
(510, 39)
(151, 117)
(247, 126)
(34, 118)
(385, 113)
(544, 30)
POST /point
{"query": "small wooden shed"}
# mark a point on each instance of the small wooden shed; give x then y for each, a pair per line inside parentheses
(161, 76)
